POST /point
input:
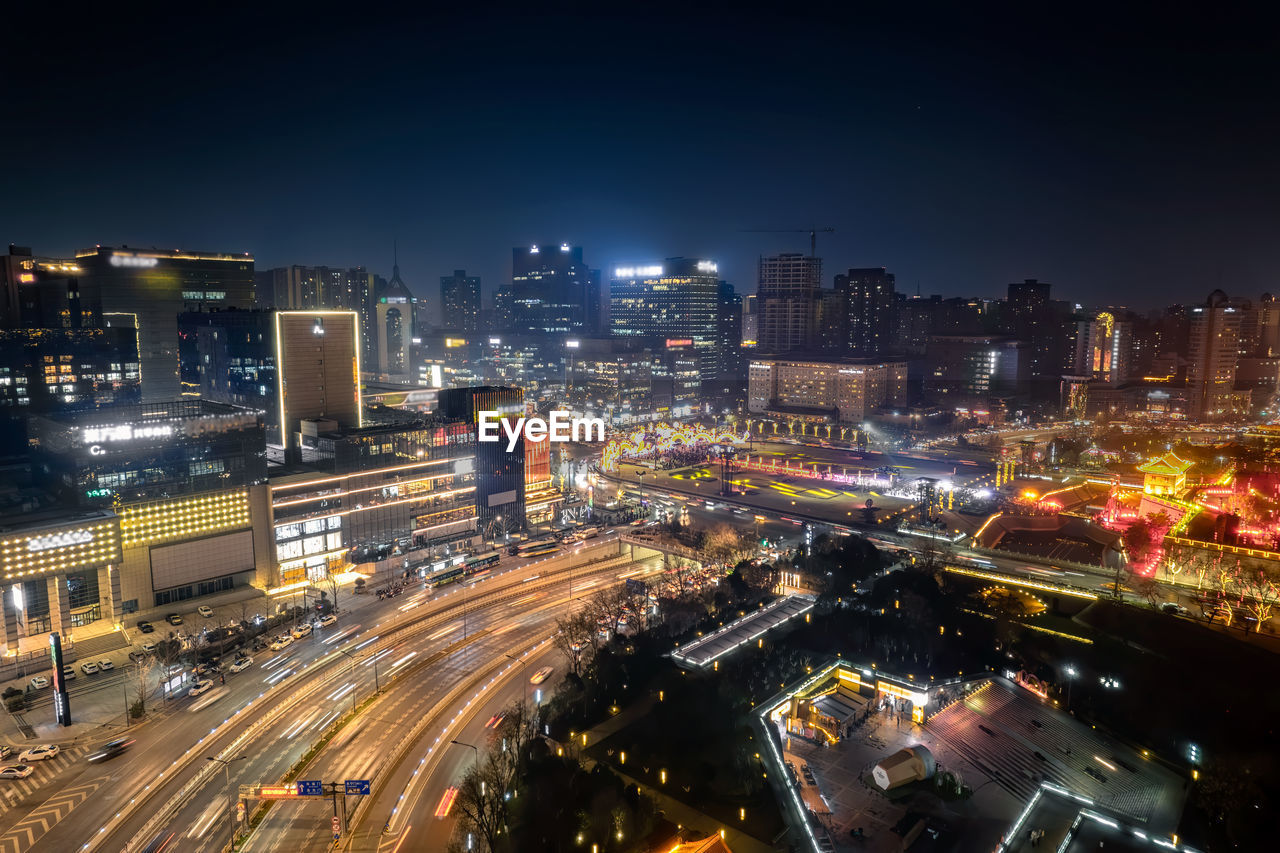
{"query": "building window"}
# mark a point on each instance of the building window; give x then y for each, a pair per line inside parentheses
(130, 606)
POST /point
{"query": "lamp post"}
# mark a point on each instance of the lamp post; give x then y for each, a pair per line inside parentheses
(477, 752)
(351, 658)
(522, 663)
(231, 809)
(1071, 679)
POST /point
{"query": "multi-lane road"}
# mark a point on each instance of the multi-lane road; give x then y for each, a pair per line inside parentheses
(274, 712)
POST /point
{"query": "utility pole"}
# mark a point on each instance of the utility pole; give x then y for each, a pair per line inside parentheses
(231, 808)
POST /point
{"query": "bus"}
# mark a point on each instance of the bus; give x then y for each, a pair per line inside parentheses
(588, 532)
(446, 575)
(480, 564)
(538, 549)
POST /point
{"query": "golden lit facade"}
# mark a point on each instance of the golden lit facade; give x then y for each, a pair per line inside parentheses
(184, 518)
(89, 544)
(1165, 476)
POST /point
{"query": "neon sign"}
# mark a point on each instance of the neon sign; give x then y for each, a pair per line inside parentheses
(60, 540)
(125, 432)
(133, 261)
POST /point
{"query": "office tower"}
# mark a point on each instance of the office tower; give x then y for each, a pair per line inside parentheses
(1047, 326)
(729, 324)
(847, 388)
(976, 367)
(831, 325)
(750, 320)
(788, 288)
(310, 288)
(1104, 346)
(552, 290)
(460, 302)
(394, 331)
(869, 294)
(500, 477)
(230, 357)
(676, 299)
(155, 286)
(45, 370)
(318, 365)
(1212, 357)
(1260, 327)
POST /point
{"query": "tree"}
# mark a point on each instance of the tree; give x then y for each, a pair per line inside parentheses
(1137, 540)
(1258, 594)
(575, 639)
(724, 544)
(482, 802)
(329, 584)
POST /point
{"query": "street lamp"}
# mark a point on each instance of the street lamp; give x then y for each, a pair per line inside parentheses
(1071, 679)
(477, 752)
(351, 658)
(522, 663)
(231, 809)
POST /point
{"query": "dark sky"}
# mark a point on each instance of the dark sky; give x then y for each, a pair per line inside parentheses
(1127, 158)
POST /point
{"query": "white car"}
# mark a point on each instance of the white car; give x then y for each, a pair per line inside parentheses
(205, 610)
(39, 682)
(89, 668)
(241, 665)
(280, 642)
(16, 771)
(328, 619)
(204, 685)
(105, 665)
(541, 675)
(302, 630)
(38, 753)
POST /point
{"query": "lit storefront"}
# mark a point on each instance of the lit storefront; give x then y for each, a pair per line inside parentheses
(59, 572)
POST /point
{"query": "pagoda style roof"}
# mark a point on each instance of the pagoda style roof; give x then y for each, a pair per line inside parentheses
(1170, 465)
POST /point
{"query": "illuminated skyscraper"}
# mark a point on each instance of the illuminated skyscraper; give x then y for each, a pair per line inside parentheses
(676, 299)
(552, 290)
(869, 295)
(318, 364)
(460, 301)
(1213, 356)
(1103, 348)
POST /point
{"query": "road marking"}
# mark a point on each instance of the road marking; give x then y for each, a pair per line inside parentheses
(39, 821)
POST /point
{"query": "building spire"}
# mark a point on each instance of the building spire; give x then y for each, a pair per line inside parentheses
(395, 258)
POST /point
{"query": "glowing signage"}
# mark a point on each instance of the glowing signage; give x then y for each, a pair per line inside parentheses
(564, 247)
(706, 266)
(679, 342)
(278, 792)
(634, 272)
(125, 432)
(455, 342)
(133, 261)
(60, 540)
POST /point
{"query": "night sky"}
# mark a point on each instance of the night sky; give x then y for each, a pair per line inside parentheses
(1127, 160)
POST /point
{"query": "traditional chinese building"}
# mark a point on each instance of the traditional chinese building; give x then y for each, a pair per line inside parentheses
(1166, 475)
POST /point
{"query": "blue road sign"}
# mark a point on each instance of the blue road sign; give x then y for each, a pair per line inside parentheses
(310, 788)
(358, 787)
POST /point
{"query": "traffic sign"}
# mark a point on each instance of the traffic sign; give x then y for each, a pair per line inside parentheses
(310, 788)
(240, 811)
(336, 826)
(358, 787)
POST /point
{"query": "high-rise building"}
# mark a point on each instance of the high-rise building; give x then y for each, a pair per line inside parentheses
(973, 367)
(1260, 327)
(500, 476)
(788, 290)
(304, 288)
(395, 327)
(676, 299)
(750, 321)
(552, 290)
(45, 370)
(318, 365)
(1212, 357)
(1104, 346)
(1048, 328)
(155, 286)
(869, 294)
(460, 301)
(729, 330)
(230, 357)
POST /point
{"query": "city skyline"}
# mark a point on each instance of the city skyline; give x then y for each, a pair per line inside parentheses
(1002, 146)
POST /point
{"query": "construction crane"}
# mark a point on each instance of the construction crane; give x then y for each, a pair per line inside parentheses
(813, 233)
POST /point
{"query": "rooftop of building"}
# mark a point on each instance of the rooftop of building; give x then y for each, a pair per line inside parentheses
(800, 357)
(153, 252)
(183, 409)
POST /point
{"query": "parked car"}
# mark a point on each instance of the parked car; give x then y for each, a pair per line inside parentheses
(205, 610)
(110, 749)
(149, 648)
(280, 642)
(68, 673)
(105, 665)
(38, 753)
(89, 668)
(241, 664)
(16, 771)
(327, 619)
(39, 682)
(137, 655)
(5, 751)
(302, 630)
(207, 669)
(146, 627)
(541, 675)
(204, 685)
(174, 619)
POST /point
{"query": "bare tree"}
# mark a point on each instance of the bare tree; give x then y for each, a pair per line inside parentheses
(482, 803)
(574, 638)
(1258, 594)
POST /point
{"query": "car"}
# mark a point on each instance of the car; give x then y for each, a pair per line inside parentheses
(327, 619)
(146, 627)
(110, 749)
(68, 673)
(1174, 608)
(161, 842)
(38, 753)
(149, 648)
(105, 665)
(241, 664)
(174, 619)
(204, 685)
(5, 751)
(16, 771)
(136, 655)
(280, 642)
(205, 610)
(302, 630)
(207, 669)
(39, 682)
(89, 668)
(541, 675)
